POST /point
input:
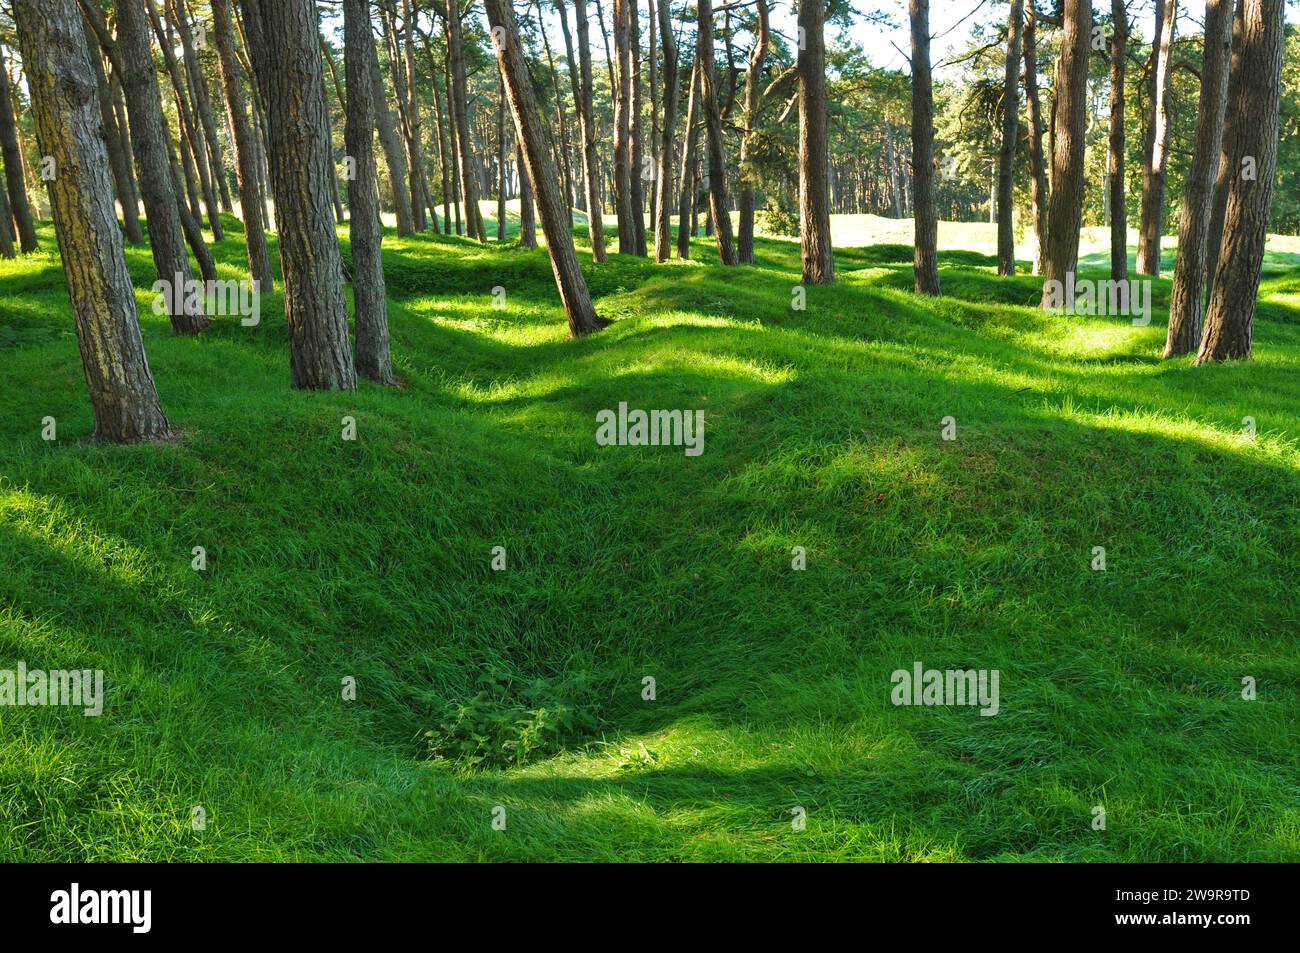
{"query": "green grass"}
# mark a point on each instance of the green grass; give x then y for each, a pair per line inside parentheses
(371, 559)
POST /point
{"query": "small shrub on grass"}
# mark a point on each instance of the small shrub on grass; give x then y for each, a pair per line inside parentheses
(506, 723)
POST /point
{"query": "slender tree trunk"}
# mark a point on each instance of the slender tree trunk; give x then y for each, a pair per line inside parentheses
(119, 158)
(1038, 186)
(459, 109)
(149, 137)
(814, 203)
(623, 128)
(394, 156)
(686, 184)
(590, 160)
(1115, 156)
(527, 216)
(62, 85)
(1010, 136)
(1230, 316)
(639, 168)
(1219, 202)
(13, 157)
(719, 200)
(1156, 150)
(541, 170)
(753, 95)
(287, 64)
(926, 240)
(250, 200)
(501, 164)
(369, 304)
(442, 137)
(1065, 209)
(1186, 300)
(6, 226)
(203, 102)
(663, 176)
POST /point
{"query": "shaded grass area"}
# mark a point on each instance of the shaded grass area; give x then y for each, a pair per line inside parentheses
(371, 560)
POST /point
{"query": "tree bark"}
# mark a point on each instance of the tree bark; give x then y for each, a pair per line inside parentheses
(926, 239)
(590, 159)
(752, 99)
(250, 199)
(623, 128)
(1219, 202)
(664, 172)
(686, 184)
(1156, 150)
(459, 109)
(119, 154)
(203, 102)
(65, 108)
(149, 145)
(527, 216)
(1186, 301)
(287, 64)
(369, 304)
(1010, 136)
(719, 200)
(13, 158)
(638, 132)
(1038, 186)
(814, 202)
(1230, 316)
(1065, 208)
(1115, 152)
(541, 170)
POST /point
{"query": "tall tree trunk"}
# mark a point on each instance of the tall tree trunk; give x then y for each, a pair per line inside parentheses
(119, 155)
(203, 102)
(1065, 209)
(926, 238)
(664, 172)
(501, 164)
(13, 157)
(6, 226)
(453, 143)
(1010, 136)
(719, 200)
(1222, 183)
(590, 160)
(287, 64)
(1038, 187)
(62, 85)
(623, 128)
(250, 199)
(417, 122)
(639, 168)
(459, 109)
(814, 203)
(369, 304)
(1253, 142)
(191, 131)
(1156, 149)
(550, 202)
(149, 145)
(1115, 155)
(1186, 301)
(394, 156)
(527, 216)
(753, 96)
(442, 137)
(686, 184)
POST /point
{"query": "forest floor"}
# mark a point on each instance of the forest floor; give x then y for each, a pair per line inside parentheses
(331, 560)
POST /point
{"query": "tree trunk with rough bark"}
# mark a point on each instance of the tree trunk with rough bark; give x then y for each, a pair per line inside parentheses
(370, 307)
(119, 155)
(13, 158)
(250, 199)
(149, 138)
(664, 172)
(814, 201)
(686, 184)
(752, 98)
(286, 61)
(459, 110)
(1186, 300)
(1065, 208)
(1038, 186)
(1156, 150)
(65, 108)
(541, 170)
(202, 101)
(1116, 147)
(527, 211)
(719, 199)
(926, 238)
(1253, 144)
(590, 159)
(1010, 136)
